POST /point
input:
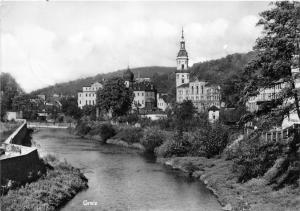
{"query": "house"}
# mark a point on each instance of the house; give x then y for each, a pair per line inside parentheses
(213, 114)
(88, 94)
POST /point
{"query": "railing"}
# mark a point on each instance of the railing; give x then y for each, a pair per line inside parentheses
(49, 125)
(279, 134)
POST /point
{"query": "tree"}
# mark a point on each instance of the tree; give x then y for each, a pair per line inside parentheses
(115, 97)
(183, 114)
(70, 107)
(9, 89)
(276, 52)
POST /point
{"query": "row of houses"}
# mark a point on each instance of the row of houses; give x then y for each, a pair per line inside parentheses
(146, 96)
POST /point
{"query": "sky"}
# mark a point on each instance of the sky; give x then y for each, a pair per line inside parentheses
(47, 42)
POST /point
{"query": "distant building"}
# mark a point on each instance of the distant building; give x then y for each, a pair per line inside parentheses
(268, 94)
(88, 95)
(162, 102)
(213, 114)
(143, 89)
(201, 93)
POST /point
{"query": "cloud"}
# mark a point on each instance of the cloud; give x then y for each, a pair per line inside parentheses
(43, 47)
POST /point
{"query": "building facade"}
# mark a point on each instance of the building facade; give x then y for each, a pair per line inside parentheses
(201, 93)
(88, 95)
(143, 89)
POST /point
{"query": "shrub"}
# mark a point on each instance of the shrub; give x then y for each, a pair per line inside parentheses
(208, 141)
(174, 145)
(254, 157)
(82, 128)
(130, 134)
(130, 118)
(152, 138)
(107, 131)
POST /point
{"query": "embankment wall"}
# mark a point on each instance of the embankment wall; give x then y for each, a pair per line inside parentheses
(20, 163)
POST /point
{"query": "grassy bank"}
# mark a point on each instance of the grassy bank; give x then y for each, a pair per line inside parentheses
(51, 191)
(253, 195)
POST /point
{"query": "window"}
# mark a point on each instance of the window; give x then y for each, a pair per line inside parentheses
(182, 81)
(79, 102)
(177, 76)
(182, 66)
(197, 88)
(192, 90)
(202, 89)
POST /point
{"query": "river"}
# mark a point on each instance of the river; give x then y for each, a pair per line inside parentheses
(123, 179)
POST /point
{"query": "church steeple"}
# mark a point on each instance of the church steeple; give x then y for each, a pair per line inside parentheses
(182, 56)
(182, 72)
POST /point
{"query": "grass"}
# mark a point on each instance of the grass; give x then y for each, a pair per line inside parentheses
(254, 195)
(51, 191)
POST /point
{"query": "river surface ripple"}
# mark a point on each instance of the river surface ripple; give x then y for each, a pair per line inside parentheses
(123, 179)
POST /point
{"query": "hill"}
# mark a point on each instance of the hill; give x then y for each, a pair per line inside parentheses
(224, 71)
(72, 87)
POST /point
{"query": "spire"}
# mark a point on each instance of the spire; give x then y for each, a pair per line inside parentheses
(182, 36)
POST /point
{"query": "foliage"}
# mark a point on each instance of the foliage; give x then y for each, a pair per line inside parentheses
(227, 72)
(152, 137)
(115, 97)
(130, 134)
(106, 131)
(70, 107)
(49, 192)
(208, 141)
(90, 111)
(183, 113)
(174, 145)
(130, 118)
(254, 156)
(82, 128)
(275, 57)
(9, 89)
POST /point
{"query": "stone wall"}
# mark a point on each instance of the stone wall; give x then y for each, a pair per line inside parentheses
(20, 164)
(21, 168)
(18, 135)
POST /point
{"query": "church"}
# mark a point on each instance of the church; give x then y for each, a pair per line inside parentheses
(201, 93)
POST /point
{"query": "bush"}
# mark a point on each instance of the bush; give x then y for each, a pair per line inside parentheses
(254, 157)
(174, 145)
(208, 141)
(130, 118)
(152, 138)
(106, 131)
(130, 135)
(82, 128)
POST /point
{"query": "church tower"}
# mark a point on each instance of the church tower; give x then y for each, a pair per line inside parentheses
(182, 72)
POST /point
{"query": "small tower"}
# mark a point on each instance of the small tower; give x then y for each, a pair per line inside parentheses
(128, 77)
(182, 73)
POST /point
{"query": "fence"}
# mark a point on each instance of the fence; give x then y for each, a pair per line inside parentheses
(277, 134)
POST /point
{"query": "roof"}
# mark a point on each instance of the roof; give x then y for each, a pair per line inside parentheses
(164, 97)
(143, 86)
(213, 108)
(128, 75)
(183, 85)
(182, 53)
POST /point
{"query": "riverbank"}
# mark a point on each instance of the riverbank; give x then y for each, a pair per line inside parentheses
(59, 185)
(254, 195)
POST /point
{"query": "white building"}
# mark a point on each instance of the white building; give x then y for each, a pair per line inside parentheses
(200, 93)
(88, 95)
(213, 114)
(162, 102)
(144, 91)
